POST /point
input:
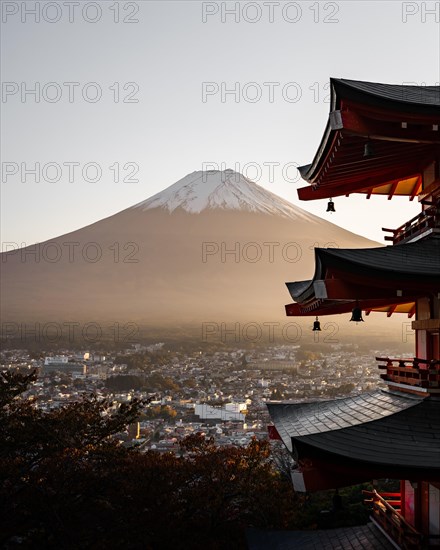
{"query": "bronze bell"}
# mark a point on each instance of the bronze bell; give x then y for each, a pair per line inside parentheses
(316, 325)
(331, 206)
(368, 150)
(356, 315)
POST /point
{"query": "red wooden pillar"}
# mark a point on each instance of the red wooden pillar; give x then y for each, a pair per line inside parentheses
(424, 507)
(418, 517)
(402, 497)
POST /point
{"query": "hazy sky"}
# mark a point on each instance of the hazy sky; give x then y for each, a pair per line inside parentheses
(139, 91)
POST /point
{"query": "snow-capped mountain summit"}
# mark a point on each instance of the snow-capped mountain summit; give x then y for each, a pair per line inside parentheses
(226, 190)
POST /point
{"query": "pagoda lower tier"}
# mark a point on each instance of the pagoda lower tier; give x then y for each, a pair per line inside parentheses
(369, 436)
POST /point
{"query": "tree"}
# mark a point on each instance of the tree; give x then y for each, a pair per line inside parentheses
(232, 487)
(42, 453)
(123, 383)
(160, 411)
(67, 482)
(157, 382)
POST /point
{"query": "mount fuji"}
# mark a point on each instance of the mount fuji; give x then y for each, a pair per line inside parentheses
(227, 190)
(213, 247)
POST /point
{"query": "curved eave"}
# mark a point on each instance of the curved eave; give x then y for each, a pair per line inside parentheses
(307, 171)
(301, 291)
(365, 112)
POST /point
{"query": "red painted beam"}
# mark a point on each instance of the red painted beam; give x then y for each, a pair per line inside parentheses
(326, 191)
(385, 114)
(329, 307)
(313, 477)
(356, 124)
(340, 289)
(317, 474)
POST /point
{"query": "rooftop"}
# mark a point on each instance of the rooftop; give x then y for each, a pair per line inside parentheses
(379, 139)
(379, 429)
(362, 537)
(346, 277)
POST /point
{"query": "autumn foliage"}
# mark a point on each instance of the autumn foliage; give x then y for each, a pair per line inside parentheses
(66, 482)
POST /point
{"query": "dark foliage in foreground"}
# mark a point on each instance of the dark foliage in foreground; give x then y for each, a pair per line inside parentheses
(66, 483)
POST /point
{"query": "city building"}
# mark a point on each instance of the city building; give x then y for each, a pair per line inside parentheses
(230, 411)
(61, 363)
(380, 139)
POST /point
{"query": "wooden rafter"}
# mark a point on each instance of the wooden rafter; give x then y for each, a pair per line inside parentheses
(391, 310)
(393, 190)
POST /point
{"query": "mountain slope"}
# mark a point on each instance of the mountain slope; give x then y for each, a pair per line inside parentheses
(203, 250)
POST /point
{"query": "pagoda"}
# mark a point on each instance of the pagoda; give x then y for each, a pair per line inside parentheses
(380, 139)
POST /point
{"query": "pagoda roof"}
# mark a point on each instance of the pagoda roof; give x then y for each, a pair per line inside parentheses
(373, 278)
(401, 97)
(304, 419)
(361, 537)
(400, 123)
(380, 429)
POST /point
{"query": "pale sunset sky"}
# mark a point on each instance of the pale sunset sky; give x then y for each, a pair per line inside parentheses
(112, 102)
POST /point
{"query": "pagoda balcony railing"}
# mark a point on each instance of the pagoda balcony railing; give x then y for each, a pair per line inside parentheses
(427, 221)
(385, 512)
(423, 373)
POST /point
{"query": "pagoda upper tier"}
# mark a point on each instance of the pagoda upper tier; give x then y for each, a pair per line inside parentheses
(379, 139)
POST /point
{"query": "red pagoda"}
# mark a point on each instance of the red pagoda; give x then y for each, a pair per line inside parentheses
(380, 139)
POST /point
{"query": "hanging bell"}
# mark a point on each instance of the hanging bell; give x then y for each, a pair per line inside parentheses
(356, 315)
(331, 206)
(316, 325)
(368, 150)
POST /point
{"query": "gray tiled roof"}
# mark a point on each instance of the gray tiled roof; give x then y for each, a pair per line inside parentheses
(414, 95)
(397, 98)
(362, 537)
(399, 262)
(395, 431)
(407, 438)
(420, 258)
(300, 419)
